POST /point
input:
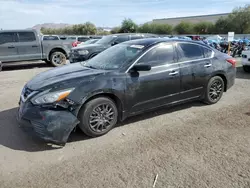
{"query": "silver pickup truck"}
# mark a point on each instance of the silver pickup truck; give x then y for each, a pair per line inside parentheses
(26, 45)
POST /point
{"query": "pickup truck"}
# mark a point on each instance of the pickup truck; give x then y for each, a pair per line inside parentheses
(27, 45)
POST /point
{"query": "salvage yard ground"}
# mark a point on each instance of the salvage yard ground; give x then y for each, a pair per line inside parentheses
(192, 145)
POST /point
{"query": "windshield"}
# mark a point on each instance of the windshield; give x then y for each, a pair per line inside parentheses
(107, 39)
(114, 57)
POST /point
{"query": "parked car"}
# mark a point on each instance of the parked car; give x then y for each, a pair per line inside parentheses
(124, 80)
(245, 60)
(50, 37)
(85, 52)
(26, 45)
(77, 39)
(90, 41)
(1, 66)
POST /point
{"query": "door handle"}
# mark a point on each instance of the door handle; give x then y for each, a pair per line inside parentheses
(208, 65)
(11, 46)
(173, 73)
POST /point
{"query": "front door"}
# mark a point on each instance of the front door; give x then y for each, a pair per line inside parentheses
(29, 47)
(157, 87)
(8, 49)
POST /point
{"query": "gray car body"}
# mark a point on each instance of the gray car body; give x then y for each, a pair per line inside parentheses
(32, 50)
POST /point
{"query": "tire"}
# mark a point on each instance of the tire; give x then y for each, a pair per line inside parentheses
(47, 62)
(58, 59)
(90, 110)
(246, 68)
(218, 90)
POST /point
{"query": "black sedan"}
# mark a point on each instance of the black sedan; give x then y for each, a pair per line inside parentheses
(124, 80)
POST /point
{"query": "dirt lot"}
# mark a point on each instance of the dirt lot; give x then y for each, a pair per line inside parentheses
(192, 145)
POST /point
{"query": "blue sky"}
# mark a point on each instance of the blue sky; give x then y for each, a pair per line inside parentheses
(18, 14)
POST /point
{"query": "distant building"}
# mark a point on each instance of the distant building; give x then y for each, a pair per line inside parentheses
(193, 19)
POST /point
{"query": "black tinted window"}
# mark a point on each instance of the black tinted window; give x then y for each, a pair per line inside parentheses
(190, 51)
(7, 37)
(158, 56)
(50, 38)
(26, 36)
(133, 37)
(121, 39)
(207, 52)
(82, 39)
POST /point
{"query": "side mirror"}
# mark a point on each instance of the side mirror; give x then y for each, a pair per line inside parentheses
(141, 67)
(114, 43)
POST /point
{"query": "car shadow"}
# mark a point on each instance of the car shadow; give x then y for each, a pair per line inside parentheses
(13, 137)
(241, 74)
(26, 65)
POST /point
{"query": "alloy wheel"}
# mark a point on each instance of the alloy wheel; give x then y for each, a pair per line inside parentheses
(101, 118)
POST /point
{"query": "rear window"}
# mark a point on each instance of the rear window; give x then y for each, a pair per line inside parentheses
(190, 51)
(82, 39)
(7, 37)
(26, 36)
(50, 38)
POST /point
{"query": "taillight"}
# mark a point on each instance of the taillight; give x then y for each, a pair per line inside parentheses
(74, 44)
(232, 61)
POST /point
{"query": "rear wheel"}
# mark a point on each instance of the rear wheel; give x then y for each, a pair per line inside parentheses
(98, 116)
(214, 91)
(58, 59)
(246, 68)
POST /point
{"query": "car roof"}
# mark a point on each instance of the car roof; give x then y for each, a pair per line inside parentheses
(121, 34)
(151, 41)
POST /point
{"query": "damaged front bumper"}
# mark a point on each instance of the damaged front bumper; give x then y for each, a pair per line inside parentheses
(51, 125)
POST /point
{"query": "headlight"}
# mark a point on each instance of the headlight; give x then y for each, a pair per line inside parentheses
(83, 52)
(47, 97)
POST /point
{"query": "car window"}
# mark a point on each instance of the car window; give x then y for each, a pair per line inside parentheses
(163, 54)
(7, 37)
(207, 52)
(122, 39)
(133, 37)
(82, 39)
(190, 51)
(50, 38)
(26, 36)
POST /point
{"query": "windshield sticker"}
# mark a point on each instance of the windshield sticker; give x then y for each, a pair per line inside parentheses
(137, 46)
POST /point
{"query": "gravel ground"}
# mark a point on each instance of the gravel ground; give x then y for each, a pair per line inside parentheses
(192, 145)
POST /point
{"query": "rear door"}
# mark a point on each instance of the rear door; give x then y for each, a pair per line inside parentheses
(194, 69)
(28, 45)
(8, 49)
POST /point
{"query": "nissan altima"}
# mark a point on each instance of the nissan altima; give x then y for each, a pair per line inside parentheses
(127, 79)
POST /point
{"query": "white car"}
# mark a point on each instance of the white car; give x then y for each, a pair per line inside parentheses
(245, 60)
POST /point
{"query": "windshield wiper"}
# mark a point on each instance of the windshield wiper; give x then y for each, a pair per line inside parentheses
(89, 66)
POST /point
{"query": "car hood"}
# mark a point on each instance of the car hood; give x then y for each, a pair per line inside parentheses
(62, 75)
(90, 46)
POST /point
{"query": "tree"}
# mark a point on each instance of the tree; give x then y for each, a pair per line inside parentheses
(223, 26)
(184, 28)
(115, 30)
(240, 19)
(128, 26)
(204, 28)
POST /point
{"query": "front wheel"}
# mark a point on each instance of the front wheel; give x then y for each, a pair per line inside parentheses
(246, 68)
(98, 116)
(214, 90)
(58, 59)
